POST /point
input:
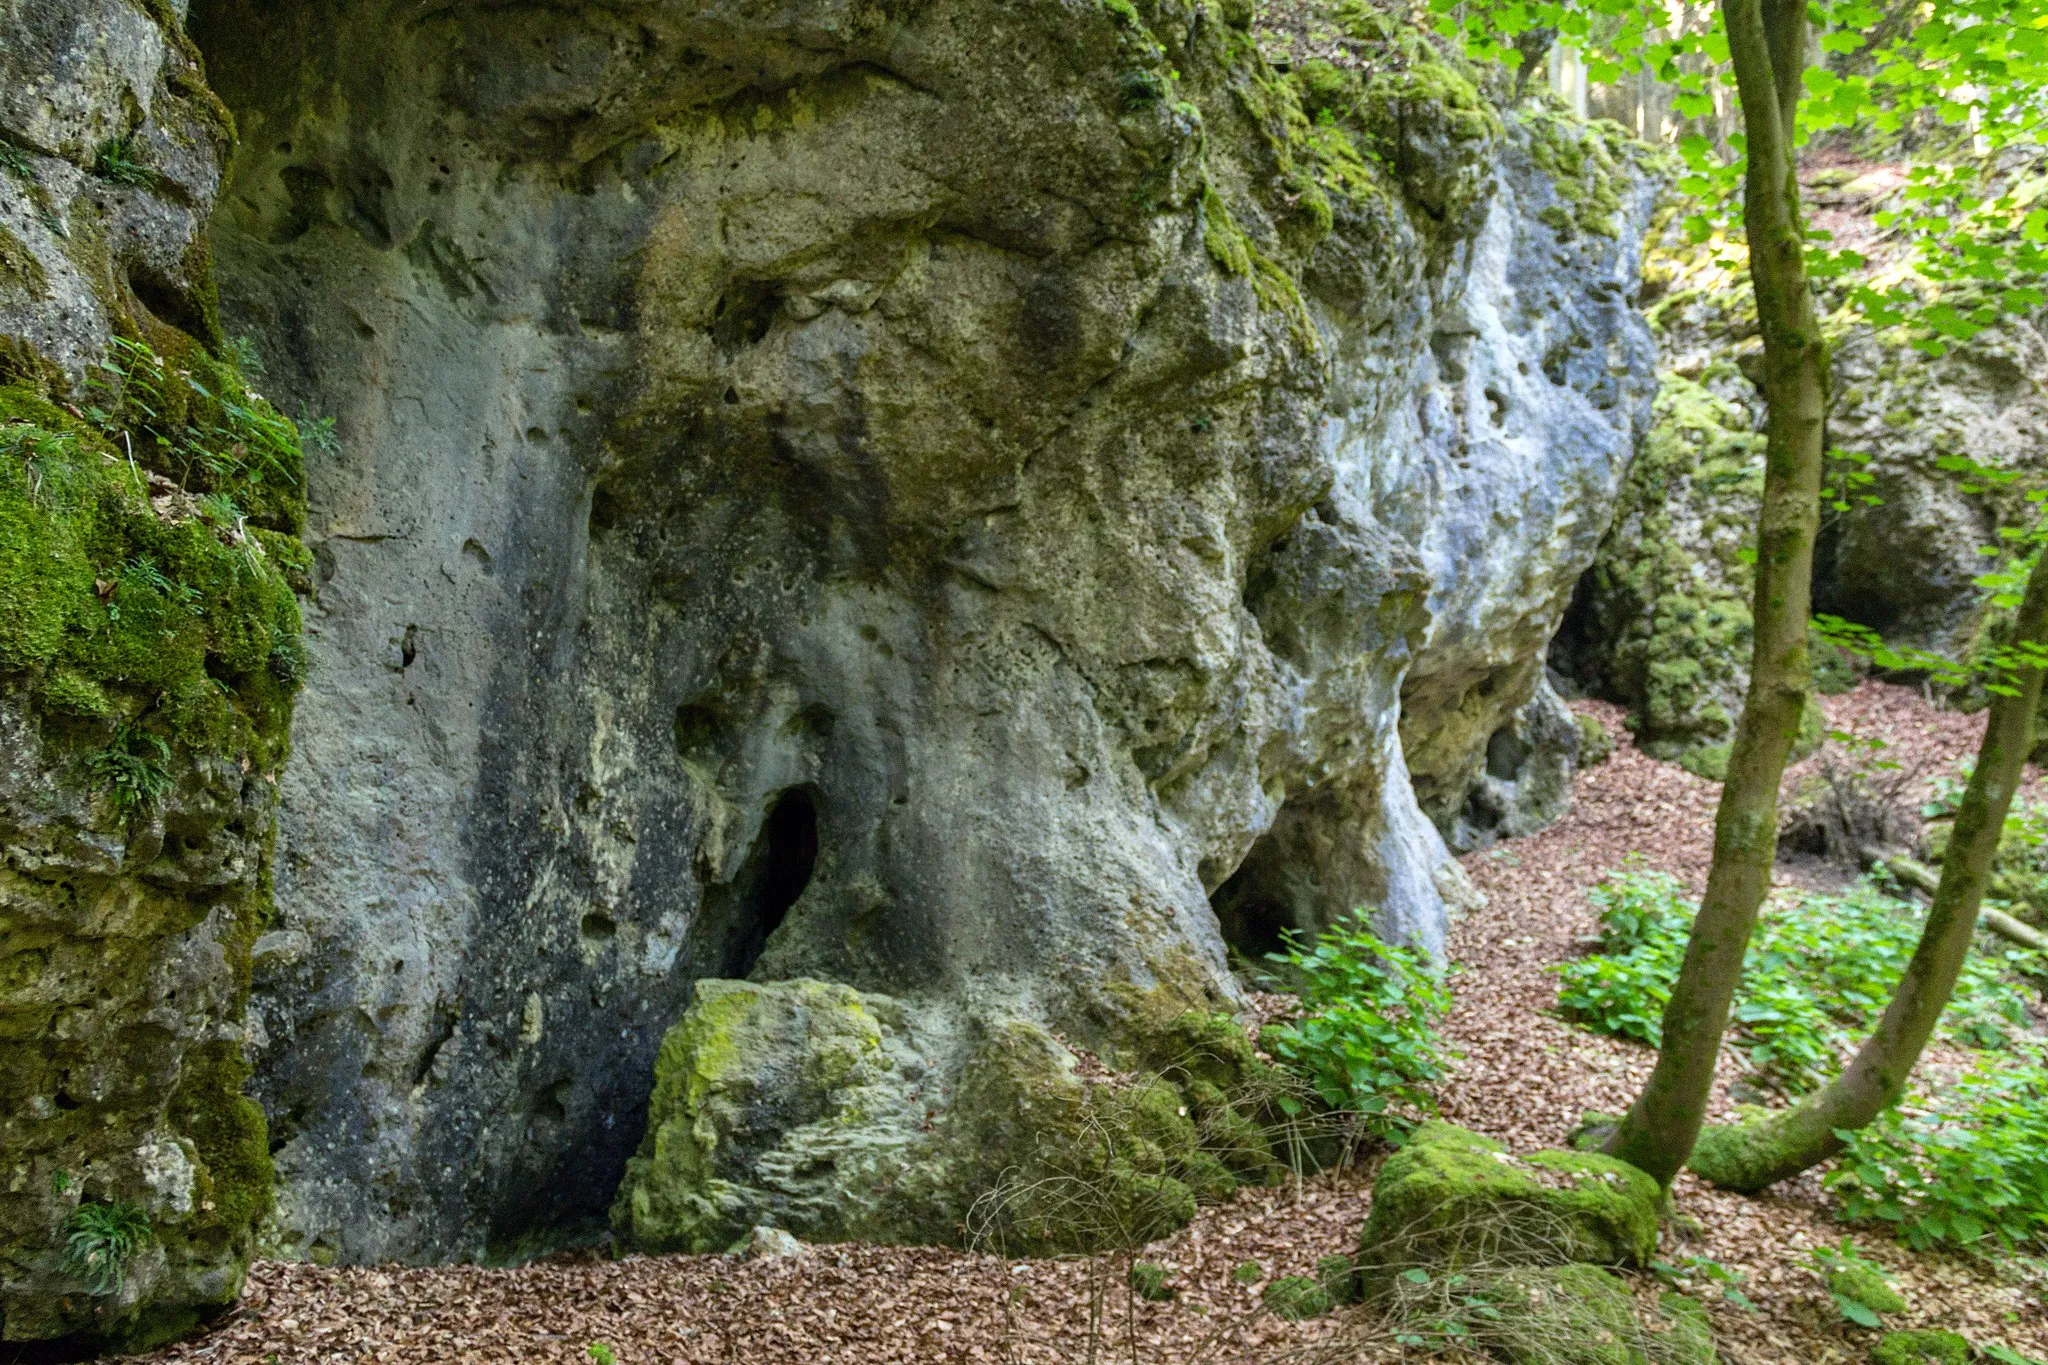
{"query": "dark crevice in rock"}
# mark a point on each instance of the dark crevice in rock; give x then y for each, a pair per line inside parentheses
(740, 915)
(1253, 923)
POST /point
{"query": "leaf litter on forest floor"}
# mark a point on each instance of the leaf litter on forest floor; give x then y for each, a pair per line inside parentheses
(1525, 1077)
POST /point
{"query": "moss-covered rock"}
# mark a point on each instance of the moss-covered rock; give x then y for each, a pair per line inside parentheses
(812, 1106)
(1572, 1315)
(150, 655)
(1451, 1197)
(1596, 746)
(1663, 620)
(147, 676)
(1923, 1347)
(2019, 870)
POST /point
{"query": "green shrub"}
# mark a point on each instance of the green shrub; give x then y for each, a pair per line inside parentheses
(100, 1240)
(1366, 1039)
(1819, 970)
(1967, 1167)
(1623, 988)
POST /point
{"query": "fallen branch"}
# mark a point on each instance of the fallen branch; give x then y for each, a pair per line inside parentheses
(1915, 873)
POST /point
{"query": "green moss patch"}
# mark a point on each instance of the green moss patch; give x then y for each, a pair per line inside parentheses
(1921, 1348)
(131, 599)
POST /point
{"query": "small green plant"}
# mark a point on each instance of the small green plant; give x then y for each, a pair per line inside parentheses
(101, 1240)
(1151, 1281)
(133, 770)
(1966, 1167)
(241, 352)
(1696, 1274)
(1366, 1039)
(317, 433)
(1945, 793)
(1622, 989)
(601, 1353)
(15, 162)
(114, 162)
(1248, 1272)
(207, 428)
(1860, 1287)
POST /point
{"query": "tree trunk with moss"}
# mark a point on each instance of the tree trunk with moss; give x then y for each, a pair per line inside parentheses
(1768, 44)
(1752, 1156)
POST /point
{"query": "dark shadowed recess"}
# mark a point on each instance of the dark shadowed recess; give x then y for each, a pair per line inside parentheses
(738, 916)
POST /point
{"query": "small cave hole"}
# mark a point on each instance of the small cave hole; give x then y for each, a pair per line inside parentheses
(744, 315)
(1505, 754)
(739, 916)
(604, 511)
(698, 727)
(1254, 922)
(598, 927)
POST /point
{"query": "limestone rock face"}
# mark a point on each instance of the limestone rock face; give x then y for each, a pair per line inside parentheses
(1504, 470)
(861, 496)
(1662, 622)
(960, 509)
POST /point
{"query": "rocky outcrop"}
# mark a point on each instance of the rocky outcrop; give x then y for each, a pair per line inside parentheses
(939, 586)
(149, 654)
(1662, 622)
(963, 506)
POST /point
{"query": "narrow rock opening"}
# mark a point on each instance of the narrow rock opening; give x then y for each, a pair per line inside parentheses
(740, 916)
(1252, 906)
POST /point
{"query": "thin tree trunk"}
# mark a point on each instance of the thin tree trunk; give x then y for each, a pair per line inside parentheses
(1768, 44)
(1751, 1156)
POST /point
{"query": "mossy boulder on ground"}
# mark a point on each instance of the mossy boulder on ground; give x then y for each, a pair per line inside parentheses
(1555, 1315)
(2019, 870)
(1924, 1347)
(814, 1107)
(1662, 620)
(1451, 1197)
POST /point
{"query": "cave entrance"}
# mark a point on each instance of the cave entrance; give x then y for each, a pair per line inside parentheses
(1274, 891)
(743, 913)
(1253, 920)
